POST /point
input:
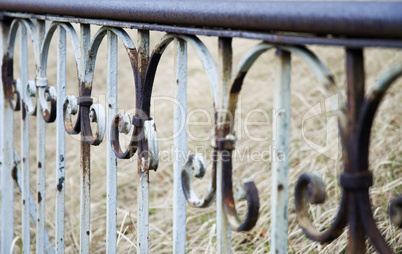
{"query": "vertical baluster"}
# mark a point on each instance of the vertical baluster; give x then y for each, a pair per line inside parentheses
(24, 140)
(2, 52)
(111, 157)
(7, 157)
(143, 174)
(85, 203)
(41, 158)
(1, 146)
(355, 78)
(180, 147)
(280, 165)
(60, 141)
(225, 69)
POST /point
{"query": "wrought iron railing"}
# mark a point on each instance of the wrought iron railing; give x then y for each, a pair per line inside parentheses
(284, 26)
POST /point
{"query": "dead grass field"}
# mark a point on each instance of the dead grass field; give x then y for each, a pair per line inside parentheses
(385, 152)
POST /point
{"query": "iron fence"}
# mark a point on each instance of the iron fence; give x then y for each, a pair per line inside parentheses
(286, 27)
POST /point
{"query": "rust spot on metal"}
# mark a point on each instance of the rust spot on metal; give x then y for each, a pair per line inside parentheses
(24, 111)
(8, 80)
(23, 159)
(238, 82)
(39, 197)
(60, 184)
(331, 78)
(85, 160)
(14, 173)
(4, 74)
(280, 187)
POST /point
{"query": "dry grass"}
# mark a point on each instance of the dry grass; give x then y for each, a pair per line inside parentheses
(385, 154)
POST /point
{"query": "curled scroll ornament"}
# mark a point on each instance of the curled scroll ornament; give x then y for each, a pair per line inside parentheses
(212, 74)
(310, 187)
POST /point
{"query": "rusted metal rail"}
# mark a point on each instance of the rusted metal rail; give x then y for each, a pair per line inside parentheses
(286, 27)
(368, 19)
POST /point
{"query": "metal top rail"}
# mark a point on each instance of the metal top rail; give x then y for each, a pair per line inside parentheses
(358, 19)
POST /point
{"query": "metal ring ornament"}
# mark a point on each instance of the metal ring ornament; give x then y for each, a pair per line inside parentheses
(97, 115)
(151, 141)
(47, 95)
(31, 93)
(70, 108)
(121, 124)
(92, 113)
(14, 95)
(195, 166)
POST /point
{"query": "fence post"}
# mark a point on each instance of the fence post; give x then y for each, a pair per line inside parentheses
(111, 101)
(180, 147)
(225, 70)
(355, 79)
(280, 162)
(143, 173)
(60, 141)
(85, 204)
(26, 234)
(41, 155)
(7, 155)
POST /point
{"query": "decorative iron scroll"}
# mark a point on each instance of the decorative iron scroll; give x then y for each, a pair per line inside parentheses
(355, 208)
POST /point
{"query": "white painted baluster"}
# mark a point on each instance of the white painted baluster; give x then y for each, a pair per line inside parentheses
(143, 184)
(7, 158)
(85, 209)
(111, 157)
(280, 163)
(1, 113)
(41, 158)
(1, 149)
(180, 148)
(225, 69)
(24, 140)
(60, 141)
(32, 208)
